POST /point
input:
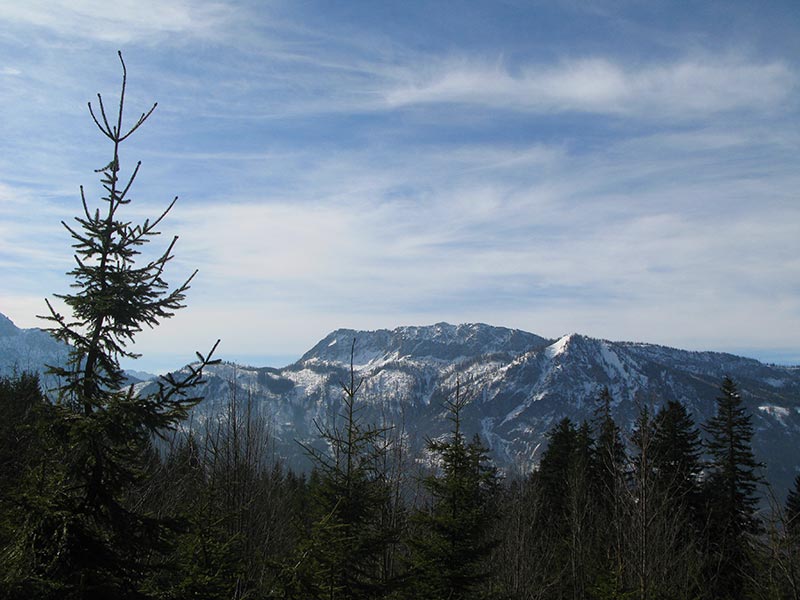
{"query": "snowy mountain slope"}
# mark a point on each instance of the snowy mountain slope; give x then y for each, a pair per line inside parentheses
(518, 384)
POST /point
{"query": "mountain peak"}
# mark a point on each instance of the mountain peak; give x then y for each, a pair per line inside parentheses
(440, 341)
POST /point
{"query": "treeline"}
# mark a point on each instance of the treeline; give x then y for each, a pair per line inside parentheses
(210, 512)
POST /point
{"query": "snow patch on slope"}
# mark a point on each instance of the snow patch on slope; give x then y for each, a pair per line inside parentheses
(778, 412)
(559, 347)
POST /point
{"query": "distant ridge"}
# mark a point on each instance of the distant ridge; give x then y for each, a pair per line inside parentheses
(518, 385)
(28, 349)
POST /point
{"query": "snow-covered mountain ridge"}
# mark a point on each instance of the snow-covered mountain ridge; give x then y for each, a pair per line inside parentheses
(519, 385)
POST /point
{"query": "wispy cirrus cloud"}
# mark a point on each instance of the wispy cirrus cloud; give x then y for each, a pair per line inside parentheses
(616, 174)
(682, 89)
(123, 22)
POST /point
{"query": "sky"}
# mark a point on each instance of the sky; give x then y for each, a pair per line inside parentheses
(627, 170)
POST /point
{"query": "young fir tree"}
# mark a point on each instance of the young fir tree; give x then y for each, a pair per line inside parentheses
(730, 495)
(452, 540)
(83, 536)
(343, 554)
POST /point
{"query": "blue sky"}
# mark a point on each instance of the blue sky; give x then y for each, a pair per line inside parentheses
(626, 170)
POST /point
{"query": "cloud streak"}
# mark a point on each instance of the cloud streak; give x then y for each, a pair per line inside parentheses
(126, 22)
(686, 89)
(335, 171)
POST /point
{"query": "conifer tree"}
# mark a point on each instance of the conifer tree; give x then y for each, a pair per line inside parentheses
(609, 449)
(342, 556)
(452, 543)
(83, 537)
(662, 555)
(25, 414)
(609, 476)
(788, 561)
(730, 494)
(676, 449)
(554, 470)
(567, 493)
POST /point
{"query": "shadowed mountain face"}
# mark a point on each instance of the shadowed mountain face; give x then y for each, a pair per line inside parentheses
(518, 384)
(28, 349)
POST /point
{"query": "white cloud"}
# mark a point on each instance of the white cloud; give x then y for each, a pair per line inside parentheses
(687, 88)
(123, 22)
(309, 201)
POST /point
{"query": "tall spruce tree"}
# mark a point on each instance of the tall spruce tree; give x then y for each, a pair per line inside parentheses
(83, 537)
(566, 509)
(609, 479)
(452, 540)
(730, 494)
(662, 541)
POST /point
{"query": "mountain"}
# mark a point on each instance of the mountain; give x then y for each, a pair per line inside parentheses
(33, 349)
(518, 384)
(28, 349)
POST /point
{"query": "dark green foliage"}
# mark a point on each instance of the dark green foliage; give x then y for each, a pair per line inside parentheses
(236, 504)
(23, 465)
(730, 495)
(676, 450)
(609, 450)
(567, 496)
(554, 470)
(84, 536)
(609, 479)
(24, 410)
(350, 535)
(453, 535)
(662, 534)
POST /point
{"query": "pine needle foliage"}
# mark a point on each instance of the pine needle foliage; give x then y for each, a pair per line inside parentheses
(730, 495)
(85, 537)
(454, 534)
(734, 469)
(350, 493)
